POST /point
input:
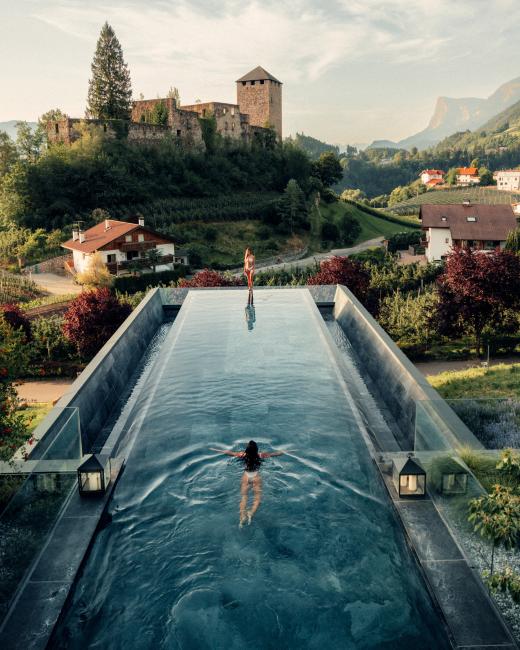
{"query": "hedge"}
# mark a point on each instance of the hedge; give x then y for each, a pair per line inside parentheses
(134, 283)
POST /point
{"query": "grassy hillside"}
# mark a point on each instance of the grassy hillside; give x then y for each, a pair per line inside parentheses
(485, 195)
(498, 381)
(371, 225)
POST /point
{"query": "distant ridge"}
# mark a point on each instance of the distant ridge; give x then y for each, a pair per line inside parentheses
(459, 114)
(10, 127)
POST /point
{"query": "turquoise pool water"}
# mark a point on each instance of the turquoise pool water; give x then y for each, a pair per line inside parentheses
(323, 564)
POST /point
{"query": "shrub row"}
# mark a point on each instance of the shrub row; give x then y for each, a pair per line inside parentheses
(134, 283)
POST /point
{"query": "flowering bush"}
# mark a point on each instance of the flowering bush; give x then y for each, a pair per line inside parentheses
(342, 270)
(209, 278)
(91, 320)
(15, 317)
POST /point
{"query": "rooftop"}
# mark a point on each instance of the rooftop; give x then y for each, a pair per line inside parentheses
(102, 234)
(258, 74)
(482, 222)
(468, 171)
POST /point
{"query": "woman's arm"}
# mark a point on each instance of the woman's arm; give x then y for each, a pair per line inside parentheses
(271, 453)
(227, 452)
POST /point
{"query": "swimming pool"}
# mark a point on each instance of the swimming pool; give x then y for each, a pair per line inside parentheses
(323, 564)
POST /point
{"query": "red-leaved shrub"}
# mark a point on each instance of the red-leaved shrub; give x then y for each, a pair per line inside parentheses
(15, 317)
(209, 278)
(342, 270)
(92, 318)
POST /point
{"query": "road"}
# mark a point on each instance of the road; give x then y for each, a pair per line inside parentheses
(55, 284)
(318, 257)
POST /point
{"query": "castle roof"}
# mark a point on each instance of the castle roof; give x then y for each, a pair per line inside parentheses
(258, 74)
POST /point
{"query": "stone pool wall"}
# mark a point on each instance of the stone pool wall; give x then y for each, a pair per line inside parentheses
(397, 380)
(96, 390)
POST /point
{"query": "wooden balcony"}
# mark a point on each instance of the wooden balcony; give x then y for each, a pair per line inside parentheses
(137, 246)
(139, 263)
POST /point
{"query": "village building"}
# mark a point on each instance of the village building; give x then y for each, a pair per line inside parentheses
(508, 179)
(482, 227)
(467, 176)
(431, 177)
(258, 108)
(120, 244)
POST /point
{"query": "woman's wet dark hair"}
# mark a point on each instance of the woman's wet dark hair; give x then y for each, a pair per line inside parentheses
(252, 458)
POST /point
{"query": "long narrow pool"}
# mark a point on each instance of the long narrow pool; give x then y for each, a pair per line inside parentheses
(323, 563)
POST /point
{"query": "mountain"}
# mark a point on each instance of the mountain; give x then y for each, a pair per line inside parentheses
(499, 133)
(10, 127)
(461, 114)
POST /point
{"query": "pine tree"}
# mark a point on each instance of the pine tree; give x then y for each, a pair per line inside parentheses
(110, 91)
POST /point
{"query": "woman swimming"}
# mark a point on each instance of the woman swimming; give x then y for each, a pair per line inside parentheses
(249, 266)
(252, 460)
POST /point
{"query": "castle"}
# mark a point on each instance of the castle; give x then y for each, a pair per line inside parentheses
(259, 106)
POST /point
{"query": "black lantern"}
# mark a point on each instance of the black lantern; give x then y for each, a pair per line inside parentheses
(94, 475)
(409, 478)
(454, 477)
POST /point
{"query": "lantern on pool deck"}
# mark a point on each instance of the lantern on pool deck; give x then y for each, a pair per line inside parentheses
(409, 478)
(94, 475)
(454, 477)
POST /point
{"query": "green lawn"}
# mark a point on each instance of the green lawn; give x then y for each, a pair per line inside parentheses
(371, 226)
(498, 381)
(34, 413)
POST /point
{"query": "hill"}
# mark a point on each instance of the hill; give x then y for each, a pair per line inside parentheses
(453, 115)
(482, 195)
(312, 146)
(373, 223)
(10, 127)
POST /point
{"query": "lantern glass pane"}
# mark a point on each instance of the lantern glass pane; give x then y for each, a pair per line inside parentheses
(90, 481)
(454, 483)
(412, 484)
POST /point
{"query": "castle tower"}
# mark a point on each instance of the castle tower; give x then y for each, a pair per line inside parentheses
(259, 95)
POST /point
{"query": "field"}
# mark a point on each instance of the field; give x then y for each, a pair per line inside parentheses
(485, 195)
(500, 381)
(371, 226)
(17, 288)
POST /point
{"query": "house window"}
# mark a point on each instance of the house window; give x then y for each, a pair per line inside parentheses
(444, 218)
(131, 255)
(472, 219)
(111, 258)
(128, 238)
(447, 241)
(140, 237)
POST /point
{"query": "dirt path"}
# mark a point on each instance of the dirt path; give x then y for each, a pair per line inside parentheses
(318, 257)
(46, 390)
(436, 367)
(55, 284)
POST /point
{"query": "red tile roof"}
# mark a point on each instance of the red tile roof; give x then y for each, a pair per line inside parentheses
(432, 171)
(468, 171)
(435, 181)
(97, 236)
(492, 222)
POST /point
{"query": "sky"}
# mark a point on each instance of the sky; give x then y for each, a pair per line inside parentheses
(353, 70)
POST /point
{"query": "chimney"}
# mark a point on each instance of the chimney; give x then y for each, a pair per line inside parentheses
(107, 224)
(82, 237)
(75, 233)
(141, 221)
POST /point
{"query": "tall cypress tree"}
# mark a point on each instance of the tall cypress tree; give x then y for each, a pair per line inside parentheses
(110, 90)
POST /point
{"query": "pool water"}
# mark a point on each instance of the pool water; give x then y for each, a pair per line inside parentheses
(323, 563)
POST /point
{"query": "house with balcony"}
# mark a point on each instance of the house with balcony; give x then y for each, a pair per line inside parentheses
(122, 245)
(432, 177)
(467, 176)
(481, 227)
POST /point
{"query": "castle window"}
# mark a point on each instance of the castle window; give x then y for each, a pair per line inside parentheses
(233, 111)
(252, 83)
(244, 83)
(262, 81)
(224, 111)
(203, 112)
(56, 128)
(178, 133)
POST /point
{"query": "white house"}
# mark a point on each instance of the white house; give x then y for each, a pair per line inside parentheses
(119, 242)
(468, 176)
(508, 179)
(429, 175)
(482, 227)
